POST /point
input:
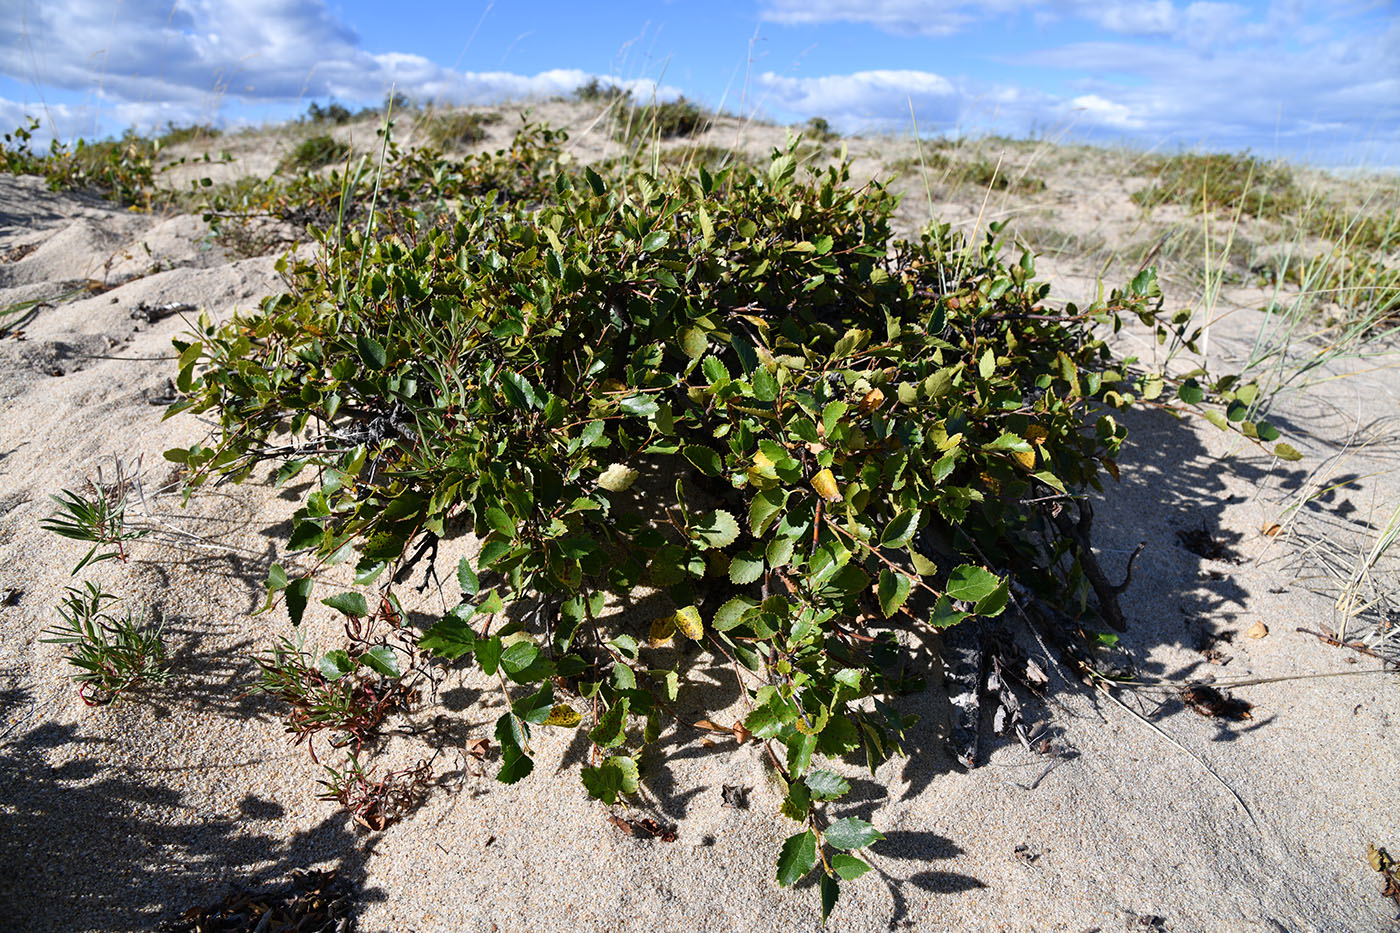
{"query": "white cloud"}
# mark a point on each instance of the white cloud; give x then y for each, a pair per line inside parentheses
(142, 62)
(1195, 23)
(866, 99)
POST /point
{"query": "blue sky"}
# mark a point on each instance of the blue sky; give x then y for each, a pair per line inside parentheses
(1314, 81)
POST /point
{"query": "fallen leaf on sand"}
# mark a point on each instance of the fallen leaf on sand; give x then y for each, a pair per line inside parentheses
(1210, 702)
(1257, 630)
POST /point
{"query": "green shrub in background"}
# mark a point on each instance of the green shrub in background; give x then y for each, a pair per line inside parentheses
(735, 390)
(314, 152)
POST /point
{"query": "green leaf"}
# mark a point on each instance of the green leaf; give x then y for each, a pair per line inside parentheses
(655, 240)
(617, 478)
(451, 636)
(1287, 452)
(371, 352)
(704, 459)
(893, 591)
(1191, 392)
(466, 577)
(609, 730)
(488, 654)
(298, 595)
(336, 664)
(901, 529)
(971, 583)
(718, 529)
(518, 390)
(848, 867)
(617, 774)
(350, 604)
(745, 567)
(825, 785)
(515, 765)
(731, 613)
(595, 181)
(765, 386)
(851, 833)
(797, 858)
(381, 660)
(498, 521)
(765, 507)
(994, 602)
(831, 891)
(643, 406)
(987, 364)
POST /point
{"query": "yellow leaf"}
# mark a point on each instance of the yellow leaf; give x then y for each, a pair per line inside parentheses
(563, 715)
(825, 485)
(687, 621)
(1036, 434)
(661, 631)
(1025, 457)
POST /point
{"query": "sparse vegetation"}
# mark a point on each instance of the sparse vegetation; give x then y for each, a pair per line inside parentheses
(315, 152)
(113, 654)
(460, 130)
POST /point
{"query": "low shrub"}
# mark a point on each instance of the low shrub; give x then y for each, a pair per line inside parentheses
(459, 130)
(737, 391)
(663, 120)
(1222, 181)
(315, 152)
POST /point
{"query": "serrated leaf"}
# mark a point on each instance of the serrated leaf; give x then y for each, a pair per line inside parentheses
(350, 604)
(745, 568)
(298, 595)
(335, 664)
(831, 892)
(970, 583)
(498, 521)
(371, 351)
(450, 637)
(618, 478)
(779, 551)
(900, 531)
(797, 858)
(825, 485)
(825, 785)
(515, 765)
(704, 459)
(382, 660)
(731, 613)
(851, 833)
(688, 622)
(519, 391)
(467, 578)
(848, 867)
(893, 591)
(609, 730)
(488, 654)
(718, 529)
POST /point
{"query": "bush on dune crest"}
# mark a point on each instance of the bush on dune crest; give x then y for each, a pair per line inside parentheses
(735, 391)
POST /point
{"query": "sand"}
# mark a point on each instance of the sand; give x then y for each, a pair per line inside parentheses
(123, 817)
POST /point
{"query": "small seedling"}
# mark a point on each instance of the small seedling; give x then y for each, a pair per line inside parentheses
(97, 515)
(376, 804)
(113, 654)
(337, 692)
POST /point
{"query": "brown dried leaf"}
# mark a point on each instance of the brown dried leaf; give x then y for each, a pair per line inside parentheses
(479, 747)
(1210, 702)
(873, 400)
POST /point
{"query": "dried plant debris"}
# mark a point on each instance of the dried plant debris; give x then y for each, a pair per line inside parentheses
(734, 797)
(1204, 543)
(1214, 704)
(645, 828)
(1389, 869)
(314, 902)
